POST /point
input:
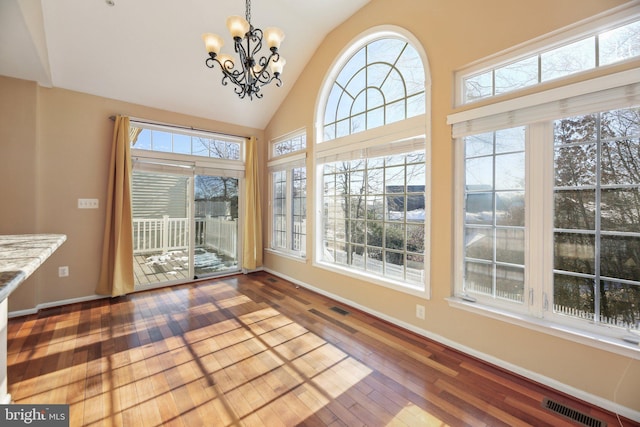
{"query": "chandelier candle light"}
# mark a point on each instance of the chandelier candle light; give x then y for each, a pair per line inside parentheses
(251, 74)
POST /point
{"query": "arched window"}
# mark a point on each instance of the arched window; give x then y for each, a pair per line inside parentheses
(382, 83)
(373, 163)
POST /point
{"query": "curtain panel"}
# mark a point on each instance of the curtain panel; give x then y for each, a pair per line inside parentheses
(252, 236)
(116, 273)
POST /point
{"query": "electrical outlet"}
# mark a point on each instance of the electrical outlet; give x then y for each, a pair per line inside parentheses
(420, 311)
(87, 203)
(63, 271)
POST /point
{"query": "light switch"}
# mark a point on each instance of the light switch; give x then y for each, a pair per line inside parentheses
(87, 203)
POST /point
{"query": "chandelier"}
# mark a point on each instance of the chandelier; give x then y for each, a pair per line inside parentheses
(249, 72)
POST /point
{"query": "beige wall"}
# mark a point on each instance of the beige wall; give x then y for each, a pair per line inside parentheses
(453, 34)
(55, 148)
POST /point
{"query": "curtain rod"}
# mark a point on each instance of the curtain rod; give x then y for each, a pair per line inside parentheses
(151, 122)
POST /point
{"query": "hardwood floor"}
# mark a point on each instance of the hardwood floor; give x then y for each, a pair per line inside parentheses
(256, 350)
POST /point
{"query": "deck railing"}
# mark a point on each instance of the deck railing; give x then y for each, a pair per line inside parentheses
(172, 234)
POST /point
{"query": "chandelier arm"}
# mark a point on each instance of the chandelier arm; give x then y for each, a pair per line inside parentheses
(256, 35)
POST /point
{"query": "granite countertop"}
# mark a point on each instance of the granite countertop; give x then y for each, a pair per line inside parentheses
(21, 255)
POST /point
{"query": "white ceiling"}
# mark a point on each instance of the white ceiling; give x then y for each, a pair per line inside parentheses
(150, 52)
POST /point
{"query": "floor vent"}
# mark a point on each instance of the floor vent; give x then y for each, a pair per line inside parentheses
(572, 414)
(272, 280)
(340, 310)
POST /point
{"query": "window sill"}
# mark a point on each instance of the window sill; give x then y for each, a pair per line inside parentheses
(291, 256)
(376, 280)
(603, 342)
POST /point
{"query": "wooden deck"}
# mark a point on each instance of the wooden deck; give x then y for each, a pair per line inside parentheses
(155, 268)
(257, 351)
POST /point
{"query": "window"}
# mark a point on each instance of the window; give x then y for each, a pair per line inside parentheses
(289, 194)
(596, 234)
(618, 41)
(185, 204)
(372, 164)
(374, 212)
(494, 214)
(382, 83)
(548, 208)
(191, 143)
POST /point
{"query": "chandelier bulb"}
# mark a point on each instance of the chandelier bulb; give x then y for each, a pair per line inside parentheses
(273, 37)
(277, 66)
(238, 26)
(213, 43)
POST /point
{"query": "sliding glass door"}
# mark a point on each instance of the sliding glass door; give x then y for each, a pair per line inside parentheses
(215, 225)
(185, 226)
(161, 223)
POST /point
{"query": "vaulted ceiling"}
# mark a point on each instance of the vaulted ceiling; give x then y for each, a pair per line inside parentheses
(150, 52)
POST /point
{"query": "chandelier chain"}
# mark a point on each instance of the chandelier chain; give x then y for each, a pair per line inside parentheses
(248, 11)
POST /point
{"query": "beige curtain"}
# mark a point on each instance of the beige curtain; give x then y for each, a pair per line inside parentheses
(252, 242)
(116, 274)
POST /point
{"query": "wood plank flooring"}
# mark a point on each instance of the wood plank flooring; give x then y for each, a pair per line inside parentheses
(256, 351)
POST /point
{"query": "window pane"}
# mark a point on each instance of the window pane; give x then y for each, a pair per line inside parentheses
(573, 296)
(394, 265)
(620, 257)
(181, 144)
(479, 174)
(396, 111)
(478, 87)
(517, 75)
(479, 145)
(576, 129)
(509, 140)
(510, 208)
(479, 243)
(510, 245)
(575, 166)
(479, 208)
(575, 209)
(385, 50)
(415, 238)
(332, 104)
(574, 252)
(375, 118)
(410, 65)
(356, 63)
(510, 283)
(143, 141)
(394, 87)
(620, 211)
(620, 43)
(161, 141)
(575, 57)
(416, 105)
(620, 304)
(377, 73)
(621, 162)
(478, 277)
(510, 171)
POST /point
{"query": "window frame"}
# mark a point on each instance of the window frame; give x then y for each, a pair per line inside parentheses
(593, 26)
(538, 111)
(416, 128)
(287, 162)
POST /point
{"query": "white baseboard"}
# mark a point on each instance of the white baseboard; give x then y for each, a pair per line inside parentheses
(52, 304)
(549, 382)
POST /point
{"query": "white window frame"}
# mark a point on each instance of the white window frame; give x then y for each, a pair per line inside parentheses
(537, 112)
(286, 162)
(593, 26)
(395, 138)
